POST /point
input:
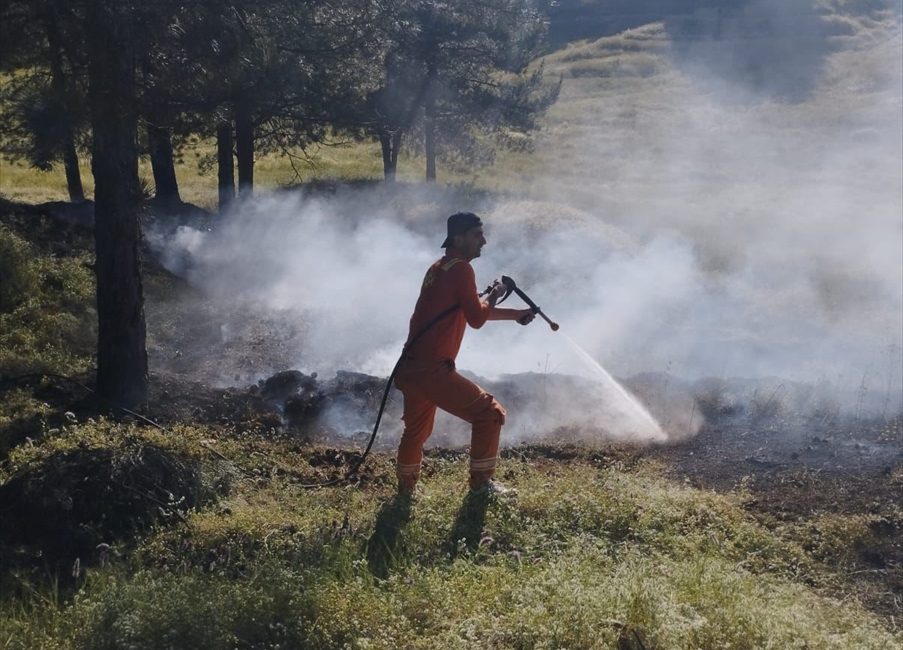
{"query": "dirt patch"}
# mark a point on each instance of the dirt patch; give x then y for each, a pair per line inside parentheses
(607, 456)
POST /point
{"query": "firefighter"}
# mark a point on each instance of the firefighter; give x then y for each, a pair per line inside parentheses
(426, 374)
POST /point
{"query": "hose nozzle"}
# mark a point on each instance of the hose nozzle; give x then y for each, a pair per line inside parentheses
(512, 286)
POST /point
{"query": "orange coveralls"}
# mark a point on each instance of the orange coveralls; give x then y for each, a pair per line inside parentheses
(427, 378)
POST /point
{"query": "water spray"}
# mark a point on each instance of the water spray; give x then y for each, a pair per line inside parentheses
(638, 412)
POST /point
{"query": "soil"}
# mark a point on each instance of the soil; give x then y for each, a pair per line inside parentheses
(792, 477)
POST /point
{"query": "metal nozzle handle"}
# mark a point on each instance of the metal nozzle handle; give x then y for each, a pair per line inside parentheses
(512, 286)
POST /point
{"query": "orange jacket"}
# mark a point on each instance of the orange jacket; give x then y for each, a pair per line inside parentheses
(449, 281)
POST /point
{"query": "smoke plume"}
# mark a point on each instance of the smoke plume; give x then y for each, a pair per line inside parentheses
(691, 225)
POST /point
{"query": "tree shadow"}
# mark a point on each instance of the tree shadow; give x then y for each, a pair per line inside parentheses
(384, 544)
(467, 531)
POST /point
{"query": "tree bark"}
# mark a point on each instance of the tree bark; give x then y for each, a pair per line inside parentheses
(390, 143)
(73, 173)
(159, 140)
(429, 127)
(244, 149)
(225, 168)
(429, 142)
(121, 352)
(59, 86)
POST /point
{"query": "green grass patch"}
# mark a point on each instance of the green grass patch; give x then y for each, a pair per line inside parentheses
(47, 318)
(584, 557)
(587, 555)
(348, 161)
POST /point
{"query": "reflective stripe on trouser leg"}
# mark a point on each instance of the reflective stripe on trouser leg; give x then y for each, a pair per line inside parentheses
(419, 415)
(461, 397)
(407, 475)
(481, 470)
(442, 386)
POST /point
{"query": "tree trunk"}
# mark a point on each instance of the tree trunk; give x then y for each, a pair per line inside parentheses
(225, 168)
(121, 352)
(73, 173)
(429, 129)
(59, 86)
(429, 143)
(390, 143)
(244, 149)
(159, 140)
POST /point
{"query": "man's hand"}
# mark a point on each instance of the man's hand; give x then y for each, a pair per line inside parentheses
(497, 293)
(527, 317)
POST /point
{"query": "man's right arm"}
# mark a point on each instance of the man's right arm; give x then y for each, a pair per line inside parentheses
(522, 316)
(476, 311)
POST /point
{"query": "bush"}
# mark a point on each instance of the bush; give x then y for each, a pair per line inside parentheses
(18, 273)
(22, 417)
(47, 315)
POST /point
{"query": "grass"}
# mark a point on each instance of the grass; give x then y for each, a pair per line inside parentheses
(349, 161)
(47, 318)
(589, 555)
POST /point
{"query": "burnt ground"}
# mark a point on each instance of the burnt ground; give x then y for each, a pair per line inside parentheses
(797, 474)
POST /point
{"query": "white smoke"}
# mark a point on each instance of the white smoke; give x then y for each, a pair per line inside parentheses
(723, 234)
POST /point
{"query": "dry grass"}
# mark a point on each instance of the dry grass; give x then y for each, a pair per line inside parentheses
(347, 161)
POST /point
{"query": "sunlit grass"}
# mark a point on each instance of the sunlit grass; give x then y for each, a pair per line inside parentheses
(587, 556)
(47, 316)
(344, 160)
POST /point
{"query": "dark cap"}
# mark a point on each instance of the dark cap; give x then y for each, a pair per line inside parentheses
(458, 224)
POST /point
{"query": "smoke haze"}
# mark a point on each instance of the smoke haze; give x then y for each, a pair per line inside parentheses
(681, 222)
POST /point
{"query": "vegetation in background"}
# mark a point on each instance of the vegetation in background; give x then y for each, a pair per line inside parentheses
(259, 78)
(47, 321)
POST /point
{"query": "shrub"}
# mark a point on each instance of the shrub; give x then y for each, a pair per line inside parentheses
(18, 273)
(47, 315)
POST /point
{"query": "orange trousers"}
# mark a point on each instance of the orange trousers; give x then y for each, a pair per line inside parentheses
(427, 385)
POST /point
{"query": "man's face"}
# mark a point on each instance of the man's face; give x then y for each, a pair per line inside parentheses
(471, 242)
